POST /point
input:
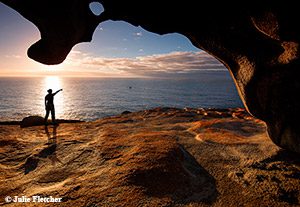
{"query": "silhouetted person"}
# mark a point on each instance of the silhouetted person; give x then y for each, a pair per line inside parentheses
(49, 105)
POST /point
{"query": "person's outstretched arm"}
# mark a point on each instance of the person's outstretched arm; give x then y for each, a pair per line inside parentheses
(57, 92)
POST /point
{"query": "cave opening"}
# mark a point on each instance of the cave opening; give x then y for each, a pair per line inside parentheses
(134, 68)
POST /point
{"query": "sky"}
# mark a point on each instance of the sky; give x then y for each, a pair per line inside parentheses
(118, 49)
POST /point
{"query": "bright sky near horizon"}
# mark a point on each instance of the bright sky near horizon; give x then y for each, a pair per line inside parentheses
(118, 49)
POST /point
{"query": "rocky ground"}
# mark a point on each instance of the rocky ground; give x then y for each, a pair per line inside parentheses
(159, 157)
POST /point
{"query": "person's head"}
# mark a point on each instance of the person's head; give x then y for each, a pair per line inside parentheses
(49, 91)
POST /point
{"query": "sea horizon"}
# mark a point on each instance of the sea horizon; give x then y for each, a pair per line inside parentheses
(92, 98)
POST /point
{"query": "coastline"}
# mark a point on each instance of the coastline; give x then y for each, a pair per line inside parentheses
(157, 157)
(204, 111)
(60, 121)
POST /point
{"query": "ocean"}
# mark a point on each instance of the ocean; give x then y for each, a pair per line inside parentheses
(93, 98)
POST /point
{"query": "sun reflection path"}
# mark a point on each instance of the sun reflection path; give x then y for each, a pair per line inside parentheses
(55, 83)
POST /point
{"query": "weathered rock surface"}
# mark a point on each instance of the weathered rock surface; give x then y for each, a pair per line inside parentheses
(257, 42)
(158, 157)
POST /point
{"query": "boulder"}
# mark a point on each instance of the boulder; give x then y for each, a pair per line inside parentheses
(32, 121)
(126, 112)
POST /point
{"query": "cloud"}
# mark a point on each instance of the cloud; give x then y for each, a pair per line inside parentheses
(13, 56)
(152, 65)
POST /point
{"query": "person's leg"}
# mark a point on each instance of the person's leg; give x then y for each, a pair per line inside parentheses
(47, 115)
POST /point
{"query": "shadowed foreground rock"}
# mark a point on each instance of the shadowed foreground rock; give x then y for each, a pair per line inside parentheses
(257, 42)
(158, 157)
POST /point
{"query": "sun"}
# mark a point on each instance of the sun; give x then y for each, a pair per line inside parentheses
(52, 82)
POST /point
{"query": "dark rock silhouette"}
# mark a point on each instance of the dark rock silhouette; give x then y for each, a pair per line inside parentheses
(126, 112)
(32, 121)
(36, 121)
(257, 42)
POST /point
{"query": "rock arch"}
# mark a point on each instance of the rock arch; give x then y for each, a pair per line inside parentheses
(258, 44)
